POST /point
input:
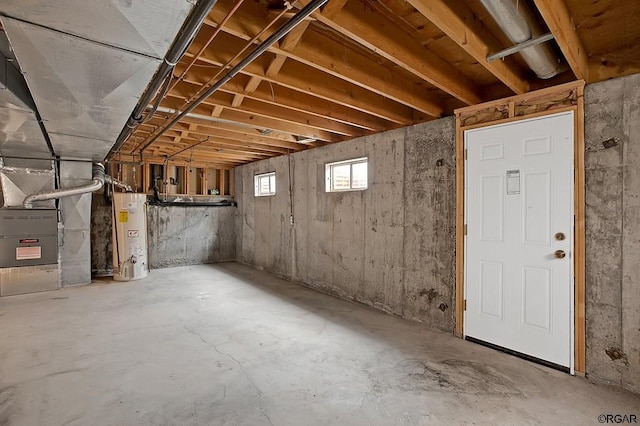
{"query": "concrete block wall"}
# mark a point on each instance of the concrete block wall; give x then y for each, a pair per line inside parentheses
(391, 247)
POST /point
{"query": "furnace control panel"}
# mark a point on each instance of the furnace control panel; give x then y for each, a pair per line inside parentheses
(28, 237)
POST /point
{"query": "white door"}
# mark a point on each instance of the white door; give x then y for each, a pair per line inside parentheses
(519, 216)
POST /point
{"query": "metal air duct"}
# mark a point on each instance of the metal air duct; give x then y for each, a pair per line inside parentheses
(178, 48)
(518, 23)
(98, 182)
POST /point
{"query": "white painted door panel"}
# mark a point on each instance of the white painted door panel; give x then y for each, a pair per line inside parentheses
(519, 194)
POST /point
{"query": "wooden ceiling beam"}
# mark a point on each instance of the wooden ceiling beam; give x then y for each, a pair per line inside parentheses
(370, 29)
(328, 56)
(305, 79)
(273, 112)
(332, 8)
(239, 116)
(467, 32)
(199, 133)
(149, 159)
(283, 96)
(165, 146)
(559, 21)
(233, 146)
(232, 132)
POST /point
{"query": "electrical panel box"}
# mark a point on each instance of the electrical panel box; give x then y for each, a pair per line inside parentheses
(28, 237)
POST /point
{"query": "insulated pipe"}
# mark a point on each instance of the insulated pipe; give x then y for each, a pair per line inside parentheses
(190, 28)
(98, 181)
(518, 23)
(259, 50)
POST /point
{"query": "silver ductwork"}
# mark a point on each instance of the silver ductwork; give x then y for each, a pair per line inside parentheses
(518, 23)
(96, 184)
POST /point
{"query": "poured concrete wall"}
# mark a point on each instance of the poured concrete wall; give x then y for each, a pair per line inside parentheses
(391, 247)
(181, 236)
(612, 112)
(101, 239)
(178, 236)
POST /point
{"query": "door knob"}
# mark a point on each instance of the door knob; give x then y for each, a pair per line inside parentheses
(559, 254)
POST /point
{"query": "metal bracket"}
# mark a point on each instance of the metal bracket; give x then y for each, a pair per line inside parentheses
(518, 47)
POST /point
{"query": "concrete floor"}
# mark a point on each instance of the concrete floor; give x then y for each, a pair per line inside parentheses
(228, 345)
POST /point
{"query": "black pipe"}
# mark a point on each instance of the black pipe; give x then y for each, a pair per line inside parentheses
(193, 204)
(275, 37)
(188, 31)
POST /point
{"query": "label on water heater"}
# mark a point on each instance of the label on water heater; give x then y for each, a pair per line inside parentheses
(123, 216)
(136, 250)
(133, 233)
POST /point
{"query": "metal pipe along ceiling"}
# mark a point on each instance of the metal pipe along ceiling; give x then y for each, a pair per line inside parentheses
(187, 33)
(98, 182)
(275, 37)
(518, 23)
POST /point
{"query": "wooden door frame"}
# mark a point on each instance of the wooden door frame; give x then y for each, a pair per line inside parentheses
(553, 100)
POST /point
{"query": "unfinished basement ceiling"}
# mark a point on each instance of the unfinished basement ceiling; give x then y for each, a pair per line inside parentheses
(353, 68)
(357, 67)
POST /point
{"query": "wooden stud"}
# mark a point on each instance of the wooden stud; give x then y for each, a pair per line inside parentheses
(217, 110)
(221, 181)
(232, 190)
(370, 29)
(332, 8)
(580, 238)
(463, 28)
(237, 101)
(302, 78)
(327, 55)
(460, 231)
(308, 104)
(558, 19)
(283, 118)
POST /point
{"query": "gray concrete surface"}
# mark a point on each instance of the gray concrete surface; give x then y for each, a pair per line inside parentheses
(181, 236)
(178, 236)
(229, 345)
(612, 111)
(391, 247)
(101, 239)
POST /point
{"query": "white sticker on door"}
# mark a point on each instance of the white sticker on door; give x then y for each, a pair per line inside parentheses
(513, 182)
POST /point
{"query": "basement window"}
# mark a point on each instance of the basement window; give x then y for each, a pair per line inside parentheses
(349, 175)
(265, 184)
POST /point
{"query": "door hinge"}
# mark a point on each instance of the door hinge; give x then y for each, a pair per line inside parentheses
(466, 153)
(464, 305)
(465, 229)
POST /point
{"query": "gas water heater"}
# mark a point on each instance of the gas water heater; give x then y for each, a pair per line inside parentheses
(129, 236)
